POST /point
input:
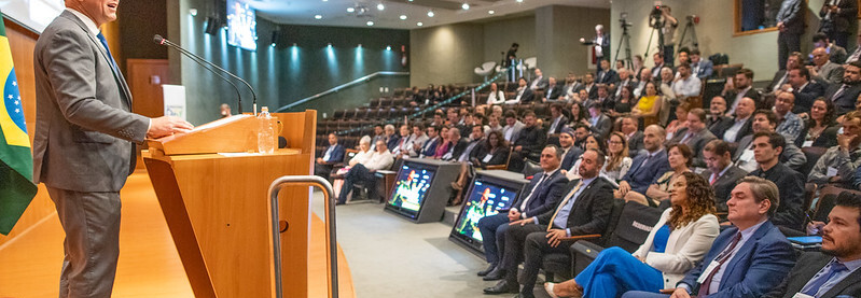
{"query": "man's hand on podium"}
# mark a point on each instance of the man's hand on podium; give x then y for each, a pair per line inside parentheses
(167, 125)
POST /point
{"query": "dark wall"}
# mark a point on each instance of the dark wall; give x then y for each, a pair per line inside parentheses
(312, 66)
(139, 21)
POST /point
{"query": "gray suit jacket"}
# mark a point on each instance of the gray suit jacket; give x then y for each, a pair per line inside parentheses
(518, 126)
(84, 125)
(832, 73)
(603, 126)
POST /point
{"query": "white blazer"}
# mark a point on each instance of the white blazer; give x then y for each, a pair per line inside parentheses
(686, 247)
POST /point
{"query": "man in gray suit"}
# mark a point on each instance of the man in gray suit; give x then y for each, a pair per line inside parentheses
(512, 129)
(695, 135)
(822, 66)
(84, 141)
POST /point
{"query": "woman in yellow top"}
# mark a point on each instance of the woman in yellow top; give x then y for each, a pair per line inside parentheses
(649, 104)
(679, 156)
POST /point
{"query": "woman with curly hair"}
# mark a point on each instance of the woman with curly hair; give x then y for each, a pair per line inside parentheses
(679, 240)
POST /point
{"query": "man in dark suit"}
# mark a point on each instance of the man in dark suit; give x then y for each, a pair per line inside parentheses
(589, 85)
(601, 43)
(805, 90)
(790, 24)
(633, 135)
(530, 141)
(766, 121)
(721, 174)
(625, 80)
(781, 77)
(703, 69)
(84, 144)
(584, 210)
(716, 121)
(393, 138)
(539, 82)
(542, 195)
(837, 17)
(602, 98)
(429, 147)
(332, 155)
(459, 147)
(553, 91)
(746, 260)
(741, 88)
(833, 272)
(659, 64)
(844, 96)
(557, 120)
(695, 135)
(523, 94)
(606, 75)
(767, 149)
(650, 163)
(570, 153)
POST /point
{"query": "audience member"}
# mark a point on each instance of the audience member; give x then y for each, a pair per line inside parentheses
(679, 157)
(557, 120)
(445, 144)
(716, 121)
(571, 87)
(405, 142)
(570, 153)
(540, 82)
(530, 141)
(363, 173)
(581, 131)
(781, 77)
(606, 75)
(740, 88)
(438, 119)
(332, 155)
(584, 210)
(633, 136)
(493, 124)
(790, 27)
(833, 271)
(578, 115)
(687, 84)
(678, 242)
(512, 128)
(855, 53)
(552, 92)
(603, 99)
(474, 149)
(668, 80)
(599, 123)
(625, 80)
(804, 89)
(543, 195)
(392, 137)
(496, 151)
(838, 164)
(823, 67)
(767, 149)
(837, 53)
(645, 78)
(457, 145)
(746, 260)
(618, 158)
(592, 142)
(821, 129)
(624, 102)
(695, 135)
(721, 174)
(742, 125)
(590, 86)
(649, 164)
(434, 140)
(788, 123)
(648, 106)
(379, 134)
(702, 68)
(495, 96)
(745, 154)
(844, 96)
(680, 121)
(658, 58)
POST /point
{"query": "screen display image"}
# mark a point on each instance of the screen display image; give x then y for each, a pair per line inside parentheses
(241, 25)
(411, 187)
(484, 200)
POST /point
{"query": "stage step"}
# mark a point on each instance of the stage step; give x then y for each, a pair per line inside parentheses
(450, 215)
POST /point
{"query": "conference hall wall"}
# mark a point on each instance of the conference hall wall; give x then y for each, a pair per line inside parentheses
(758, 51)
(448, 54)
(282, 74)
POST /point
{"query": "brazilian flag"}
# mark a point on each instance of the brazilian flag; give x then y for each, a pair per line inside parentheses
(16, 161)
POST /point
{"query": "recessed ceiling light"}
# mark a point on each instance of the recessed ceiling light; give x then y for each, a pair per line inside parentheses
(465, 6)
(370, 23)
(318, 17)
(519, 1)
(350, 9)
(403, 17)
(491, 12)
(430, 13)
(381, 6)
(420, 24)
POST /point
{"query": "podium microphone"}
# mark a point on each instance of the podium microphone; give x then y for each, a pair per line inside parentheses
(208, 66)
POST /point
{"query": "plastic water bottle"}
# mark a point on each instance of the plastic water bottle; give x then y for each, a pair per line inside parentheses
(266, 133)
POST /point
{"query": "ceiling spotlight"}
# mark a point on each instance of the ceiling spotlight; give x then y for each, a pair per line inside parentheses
(420, 24)
(370, 23)
(430, 13)
(465, 6)
(350, 9)
(388, 48)
(403, 17)
(192, 12)
(519, 1)
(318, 17)
(491, 12)
(381, 6)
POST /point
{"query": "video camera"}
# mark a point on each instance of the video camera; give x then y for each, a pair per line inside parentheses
(655, 20)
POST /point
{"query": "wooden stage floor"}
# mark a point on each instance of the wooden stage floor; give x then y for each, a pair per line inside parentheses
(149, 265)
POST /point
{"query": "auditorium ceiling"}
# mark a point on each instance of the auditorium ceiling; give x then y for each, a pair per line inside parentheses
(402, 14)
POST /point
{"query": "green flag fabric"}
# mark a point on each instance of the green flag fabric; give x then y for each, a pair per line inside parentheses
(16, 161)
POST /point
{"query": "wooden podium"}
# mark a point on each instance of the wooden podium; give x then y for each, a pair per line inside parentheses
(217, 207)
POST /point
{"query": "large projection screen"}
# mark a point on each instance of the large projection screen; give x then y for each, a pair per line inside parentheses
(32, 14)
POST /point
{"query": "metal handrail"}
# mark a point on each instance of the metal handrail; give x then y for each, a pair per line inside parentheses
(331, 241)
(339, 87)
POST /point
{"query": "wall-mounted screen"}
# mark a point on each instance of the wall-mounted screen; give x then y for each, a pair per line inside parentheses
(33, 14)
(241, 25)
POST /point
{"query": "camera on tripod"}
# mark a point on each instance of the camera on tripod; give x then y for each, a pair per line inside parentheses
(655, 20)
(623, 20)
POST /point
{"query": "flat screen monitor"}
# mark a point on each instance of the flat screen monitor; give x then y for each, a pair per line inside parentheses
(487, 196)
(411, 188)
(241, 25)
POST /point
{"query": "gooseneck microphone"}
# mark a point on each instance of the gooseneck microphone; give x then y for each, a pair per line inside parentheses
(208, 66)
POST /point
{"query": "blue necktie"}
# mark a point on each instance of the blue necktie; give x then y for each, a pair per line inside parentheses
(108, 50)
(812, 288)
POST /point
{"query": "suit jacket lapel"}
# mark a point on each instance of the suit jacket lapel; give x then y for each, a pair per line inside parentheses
(852, 279)
(743, 251)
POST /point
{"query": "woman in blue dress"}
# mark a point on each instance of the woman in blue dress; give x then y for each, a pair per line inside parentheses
(679, 240)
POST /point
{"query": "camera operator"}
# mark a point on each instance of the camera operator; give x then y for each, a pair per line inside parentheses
(661, 18)
(601, 43)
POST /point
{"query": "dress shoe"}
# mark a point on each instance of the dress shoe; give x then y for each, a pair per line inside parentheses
(502, 287)
(486, 271)
(340, 203)
(456, 186)
(495, 274)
